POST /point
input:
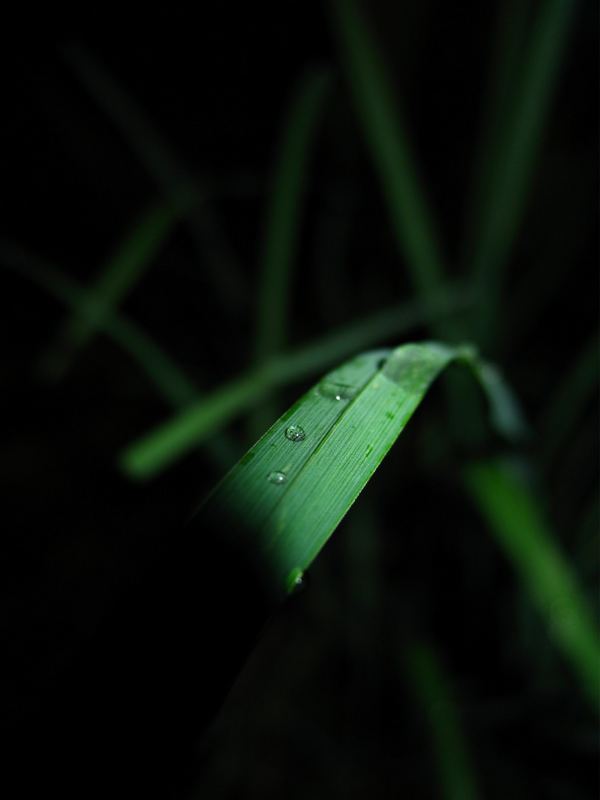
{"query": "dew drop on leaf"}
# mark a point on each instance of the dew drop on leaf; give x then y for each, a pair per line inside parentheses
(295, 433)
(336, 391)
(297, 580)
(277, 477)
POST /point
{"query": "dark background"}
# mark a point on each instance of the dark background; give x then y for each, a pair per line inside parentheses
(101, 602)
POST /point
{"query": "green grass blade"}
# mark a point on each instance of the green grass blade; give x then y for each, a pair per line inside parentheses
(388, 145)
(507, 56)
(384, 325)
(513, 516)
(505, 412)
(117, 278)
(292, 488)
(153, 452)
(435, 697)
(570, 401)
(511, 177)
(336, 214)
(170, 175)
(283, 222)
(284, 212)
(169, 380)
(410, 218)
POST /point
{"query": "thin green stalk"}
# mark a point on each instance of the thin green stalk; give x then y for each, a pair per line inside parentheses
(411, 220)
(153, 452)
(117, 278)
(283, 222)
(284, 213)
(507, 56)
(170, 174)
(434, 695)
(385, 134)
(157, 449)
(170, 382)
(378, 328)
(332, 239)
(575, 473)
(510, 179)
(518, 524)
(569, 401)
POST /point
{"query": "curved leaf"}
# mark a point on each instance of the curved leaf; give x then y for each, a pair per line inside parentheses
(291, 490)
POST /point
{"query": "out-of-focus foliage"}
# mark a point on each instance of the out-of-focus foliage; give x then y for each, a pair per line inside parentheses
(453, 619)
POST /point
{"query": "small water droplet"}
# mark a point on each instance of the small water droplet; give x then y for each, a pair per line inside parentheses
(295, 433)
(277, 477)
(297, 580)
(336, 391)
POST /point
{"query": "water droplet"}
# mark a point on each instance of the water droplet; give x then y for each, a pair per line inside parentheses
(297, 580)
(412, 365)
(336, 391)
(295, 433)
(277, 477)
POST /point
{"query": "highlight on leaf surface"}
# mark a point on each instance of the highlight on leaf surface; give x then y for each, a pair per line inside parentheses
(293, 487)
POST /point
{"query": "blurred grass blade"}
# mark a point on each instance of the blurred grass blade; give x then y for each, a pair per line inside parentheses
(511, 177)
(507, 56)
(388, 144)
(291, 490)
(284, 212)
(434, 695)
(170, 175)
(118, 277)
(506, 414)
(569, 401)
(380, 327)
(283, 221)
(171, 383)
(513, 516)
(335, 217)
(154, 451)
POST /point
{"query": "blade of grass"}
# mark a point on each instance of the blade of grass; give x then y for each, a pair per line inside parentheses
(510, 179)
(386, 138)
(331, 245)
(576, 472)
(170, 175)
(435, 696)
(283, 221)
(156, 450)
(507, 56)
(169, 380)
(411, 220)
(291, 490)
(515, 519)
(284, 212)
(569, 401)
(117, 278)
